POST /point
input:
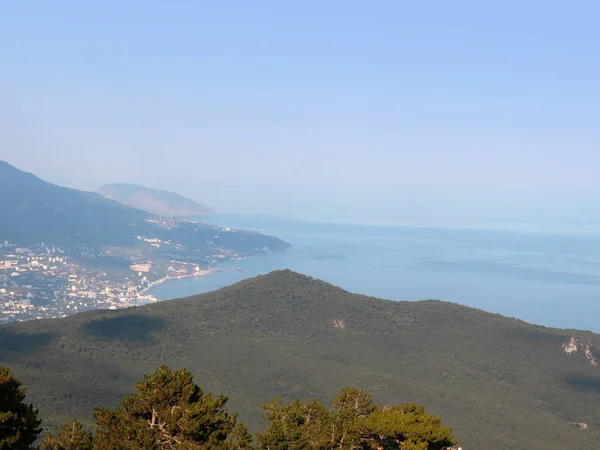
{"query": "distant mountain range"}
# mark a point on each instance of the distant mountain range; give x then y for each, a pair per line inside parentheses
(499, 382)
(34, 210)
(154, 201)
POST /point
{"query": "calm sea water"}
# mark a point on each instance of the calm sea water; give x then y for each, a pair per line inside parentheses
(542, 278)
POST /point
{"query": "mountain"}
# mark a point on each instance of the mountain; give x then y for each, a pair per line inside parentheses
(154, 201)
(500, 382)
(34, 210)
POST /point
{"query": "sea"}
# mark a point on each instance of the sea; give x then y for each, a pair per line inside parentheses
(549, 278)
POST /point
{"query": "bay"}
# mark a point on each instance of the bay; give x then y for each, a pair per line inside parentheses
(550, 279)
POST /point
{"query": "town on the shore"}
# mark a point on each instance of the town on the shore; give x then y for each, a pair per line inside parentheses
(47, 281)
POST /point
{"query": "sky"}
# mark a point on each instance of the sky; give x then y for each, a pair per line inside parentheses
(462, 107)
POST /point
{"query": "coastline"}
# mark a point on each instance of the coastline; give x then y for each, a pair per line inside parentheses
(200, 273)
(526, 276)
(222, 268)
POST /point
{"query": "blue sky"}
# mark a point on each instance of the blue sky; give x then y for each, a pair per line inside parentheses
(263, 105)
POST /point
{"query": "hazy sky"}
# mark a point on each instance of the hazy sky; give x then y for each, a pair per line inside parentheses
(243, 104)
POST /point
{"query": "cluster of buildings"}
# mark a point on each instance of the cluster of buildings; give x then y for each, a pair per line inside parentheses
(45, 280)
(41, 281)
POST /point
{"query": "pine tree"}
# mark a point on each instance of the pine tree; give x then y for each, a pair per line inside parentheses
(168, 411)
(241, 438)
(284, 429)
(19, 423)
(71, 437)
(406, 427)
(354, 402)
(355, 423)
(351, 407)
(295, 426)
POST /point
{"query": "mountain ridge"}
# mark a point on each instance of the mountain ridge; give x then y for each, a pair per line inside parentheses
(35, 210)
(154, 201)
(500, 382)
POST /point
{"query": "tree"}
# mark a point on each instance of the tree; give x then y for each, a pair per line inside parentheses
(354, 423)
(241, 438)
(406, 427)
(71, 437)
(295, 426)
(168, 411)
(19, 423)
(355, 402)
(351, 407)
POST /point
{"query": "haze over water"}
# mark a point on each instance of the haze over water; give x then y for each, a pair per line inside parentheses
(546, 278)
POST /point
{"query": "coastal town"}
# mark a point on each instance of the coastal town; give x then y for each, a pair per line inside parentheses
(46, 281)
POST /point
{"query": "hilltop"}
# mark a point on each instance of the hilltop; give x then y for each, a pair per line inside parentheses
(154, 201)
(499, 382)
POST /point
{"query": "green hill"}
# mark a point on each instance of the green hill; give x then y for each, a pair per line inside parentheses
(499, 382)
(154, 201)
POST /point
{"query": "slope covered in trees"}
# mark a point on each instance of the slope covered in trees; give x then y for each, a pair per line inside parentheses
(34, 210)
(170, 411)
(499, 382)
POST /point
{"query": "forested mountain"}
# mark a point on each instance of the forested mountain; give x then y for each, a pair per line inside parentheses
(34, 211)
(498, 382)
(154, 201)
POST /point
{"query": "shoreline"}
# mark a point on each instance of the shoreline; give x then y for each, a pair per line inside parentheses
(220, 267)
(200, 273)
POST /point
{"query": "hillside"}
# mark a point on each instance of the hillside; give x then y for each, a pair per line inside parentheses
(154, 201)
(34, 211)
(500, 382)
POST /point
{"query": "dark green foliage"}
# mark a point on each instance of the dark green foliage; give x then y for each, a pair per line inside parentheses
(19, 423)
(295, 426)
(354, 402)
(71, 437)
(168, 411)
(406, 427)
(493, 379)
(354, 423)
(241, 437)
(351, 407)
